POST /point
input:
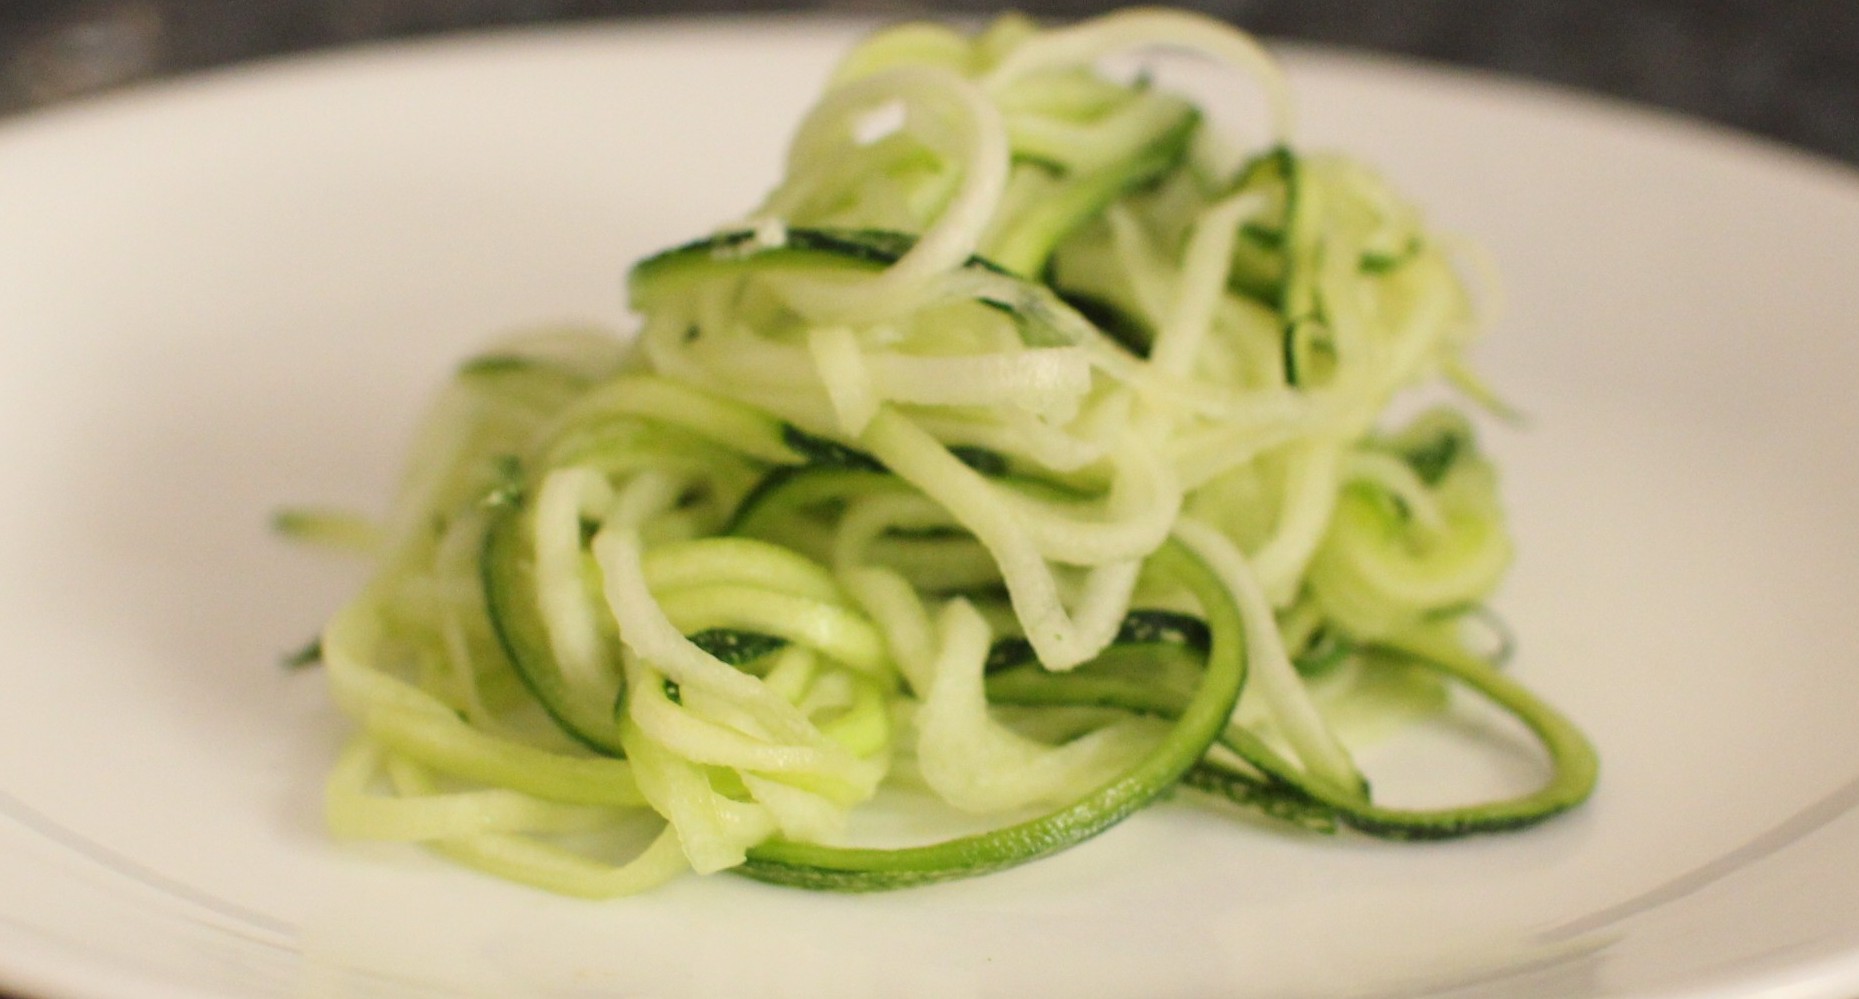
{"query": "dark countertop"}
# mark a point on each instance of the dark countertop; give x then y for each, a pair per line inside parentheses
(1787, 69)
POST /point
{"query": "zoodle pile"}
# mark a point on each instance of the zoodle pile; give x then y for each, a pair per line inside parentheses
(1024, 452)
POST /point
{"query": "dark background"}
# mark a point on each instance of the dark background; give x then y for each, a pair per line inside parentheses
(1788, 69)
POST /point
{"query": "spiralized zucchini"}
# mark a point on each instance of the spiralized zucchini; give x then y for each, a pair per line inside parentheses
(1024, 450)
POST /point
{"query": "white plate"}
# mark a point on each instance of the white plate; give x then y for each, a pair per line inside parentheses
(235, 292)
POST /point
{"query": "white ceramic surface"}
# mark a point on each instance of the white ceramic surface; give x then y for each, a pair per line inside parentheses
(235, 292)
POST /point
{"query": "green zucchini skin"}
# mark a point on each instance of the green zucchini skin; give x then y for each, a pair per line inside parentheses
(1139, 627)
(1199, 724)
(1574, 763)
(1279, 788)
(799, 250)
(735, 646)
(1041, 317)
(506, 571)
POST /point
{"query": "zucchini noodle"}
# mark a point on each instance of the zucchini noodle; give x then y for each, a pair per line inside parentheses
(1015, 452)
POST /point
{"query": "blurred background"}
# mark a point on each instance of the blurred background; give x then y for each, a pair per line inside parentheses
(1786, 69)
